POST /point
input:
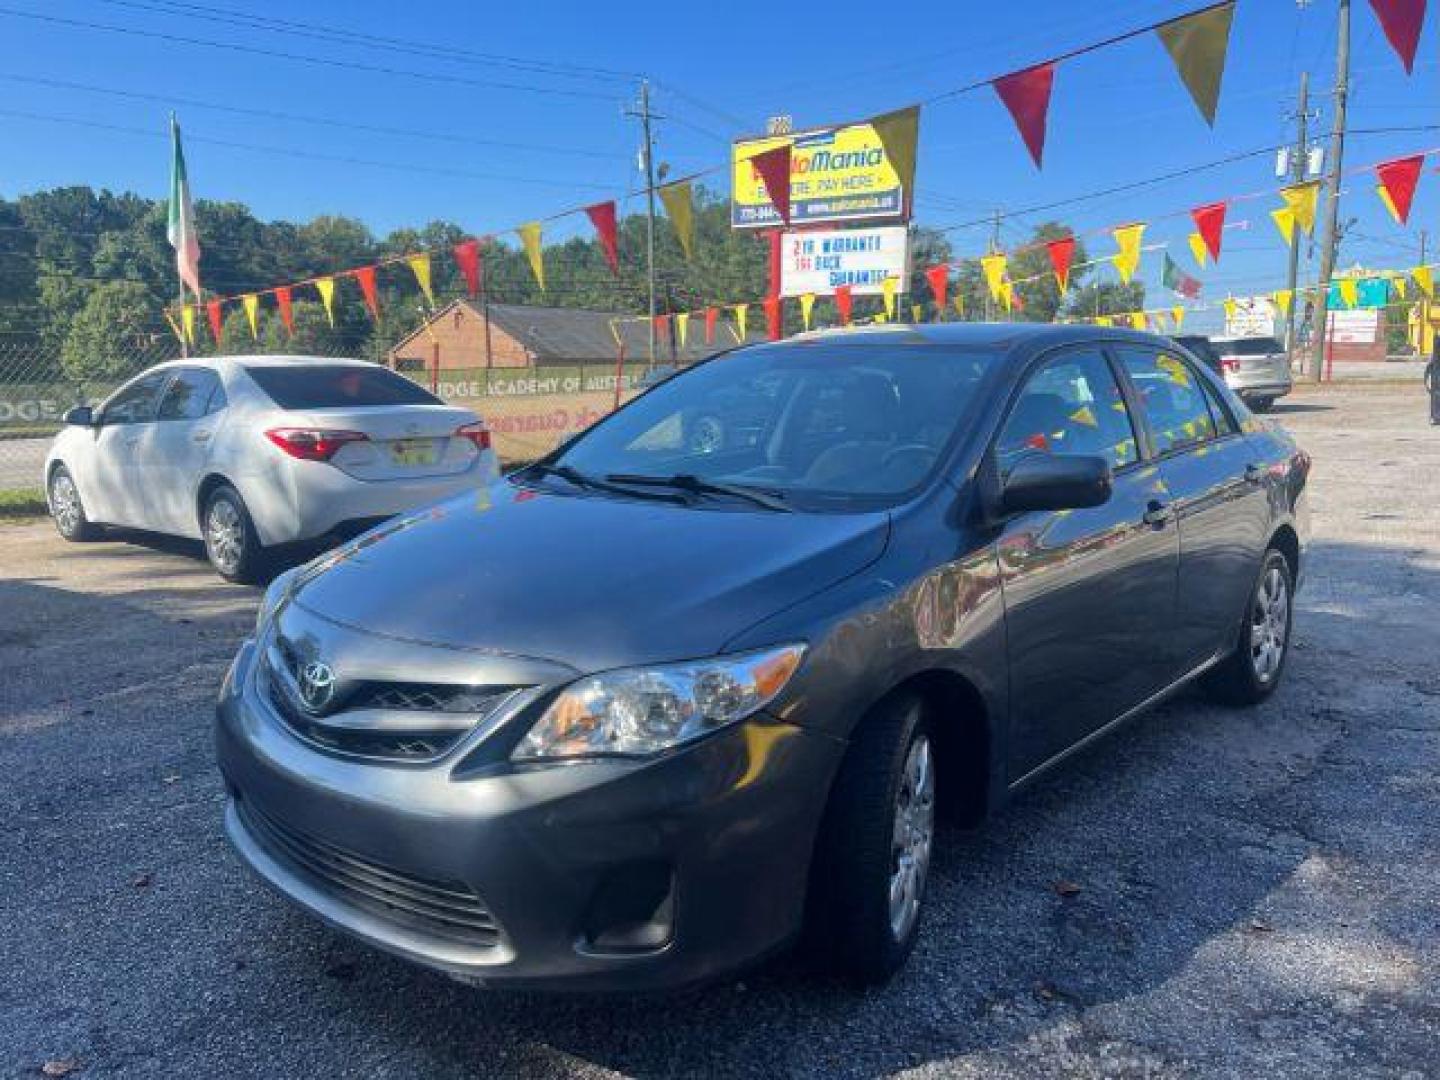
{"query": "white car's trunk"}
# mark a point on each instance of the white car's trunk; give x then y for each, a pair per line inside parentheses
(402, 441)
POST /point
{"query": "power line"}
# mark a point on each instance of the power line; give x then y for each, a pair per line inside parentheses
(306, 58)
(232, 17)
(268, 114)
(311, 155)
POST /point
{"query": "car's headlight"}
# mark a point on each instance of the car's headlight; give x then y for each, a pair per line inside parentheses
(639, 711)
(274, 598)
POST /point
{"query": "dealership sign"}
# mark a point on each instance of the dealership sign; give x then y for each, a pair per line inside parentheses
(1251, 316)
(821, 260)
(837, 174)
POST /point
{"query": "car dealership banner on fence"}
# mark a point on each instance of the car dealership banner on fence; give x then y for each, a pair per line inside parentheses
(821, 260)
(837, 174)
(1250, 316)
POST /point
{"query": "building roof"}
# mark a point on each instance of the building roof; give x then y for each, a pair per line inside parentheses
(564, 335)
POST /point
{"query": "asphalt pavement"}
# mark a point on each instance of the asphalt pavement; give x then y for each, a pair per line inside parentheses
(1208, 893)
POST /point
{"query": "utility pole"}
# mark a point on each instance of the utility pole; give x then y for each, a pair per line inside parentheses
(1298, 167)
(645, 116)
(994, 247)
(1332, 193)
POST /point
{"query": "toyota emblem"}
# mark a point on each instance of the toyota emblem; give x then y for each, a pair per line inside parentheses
(316, 685)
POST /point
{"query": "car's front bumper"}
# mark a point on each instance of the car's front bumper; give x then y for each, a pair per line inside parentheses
(715, 838)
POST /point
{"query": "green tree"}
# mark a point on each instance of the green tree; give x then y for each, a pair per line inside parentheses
(110, 331)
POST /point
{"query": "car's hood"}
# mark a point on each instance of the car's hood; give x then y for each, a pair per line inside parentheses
(591, 581)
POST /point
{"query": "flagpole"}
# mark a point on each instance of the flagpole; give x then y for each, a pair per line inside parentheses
(184, 345)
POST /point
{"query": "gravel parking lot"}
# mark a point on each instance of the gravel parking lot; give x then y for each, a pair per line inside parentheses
(1254, 892)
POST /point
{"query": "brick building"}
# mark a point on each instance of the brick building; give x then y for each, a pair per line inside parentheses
(521, 336)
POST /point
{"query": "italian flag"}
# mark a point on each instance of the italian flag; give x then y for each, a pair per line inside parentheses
(1179, 282)
(180, 229)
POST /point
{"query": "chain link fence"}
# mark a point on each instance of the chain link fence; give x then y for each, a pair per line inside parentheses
(529, 409)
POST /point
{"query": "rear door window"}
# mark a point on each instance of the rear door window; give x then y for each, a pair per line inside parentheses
(191, 395)
(337, 386)
(1071, 404)
(1170, 392)
(1257, 346)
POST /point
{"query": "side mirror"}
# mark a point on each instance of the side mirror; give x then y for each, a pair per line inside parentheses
(1042, 481)
(80, 416)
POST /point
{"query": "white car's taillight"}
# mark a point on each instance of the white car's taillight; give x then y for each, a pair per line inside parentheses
(313, 444)
(477, 433)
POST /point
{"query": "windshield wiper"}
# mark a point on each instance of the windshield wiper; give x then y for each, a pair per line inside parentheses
(698, 485)
(582, 480)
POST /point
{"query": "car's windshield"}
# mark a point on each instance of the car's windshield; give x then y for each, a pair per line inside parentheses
(821, 424)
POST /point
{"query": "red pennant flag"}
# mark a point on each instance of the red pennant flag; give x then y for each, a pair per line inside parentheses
(939, 279)
(844, 303)
(711, 314)
(1399, 178)
(467, 257)
(1027, 95)
(217, 321)
(1401, 20)
(602, 216)
(772, 317)
(773, 168)
(1061, 251)
(1209, 221)
(365, 275)
(287, 313)
(662, 327)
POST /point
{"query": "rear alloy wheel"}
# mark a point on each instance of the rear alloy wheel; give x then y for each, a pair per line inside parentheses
(230, 540)
(872, 859)
(66, 508)
(1252, 671)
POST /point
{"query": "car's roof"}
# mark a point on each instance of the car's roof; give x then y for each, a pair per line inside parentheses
(225, 362)
(1011, 338)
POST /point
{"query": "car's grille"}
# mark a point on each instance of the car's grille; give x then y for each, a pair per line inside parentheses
(406, 735)
(449, 909)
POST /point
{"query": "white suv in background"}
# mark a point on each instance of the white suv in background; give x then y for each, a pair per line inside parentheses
(251, 452)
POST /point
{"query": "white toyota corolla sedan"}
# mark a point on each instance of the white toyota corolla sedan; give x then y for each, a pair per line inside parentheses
(251, 452)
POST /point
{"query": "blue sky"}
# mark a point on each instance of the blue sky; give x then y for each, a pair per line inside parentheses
(1117, 116)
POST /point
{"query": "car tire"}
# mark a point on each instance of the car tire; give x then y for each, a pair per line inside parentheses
(876, 838)
(1253, 669)
(1262, 405)
(231, 543)
(66, 509)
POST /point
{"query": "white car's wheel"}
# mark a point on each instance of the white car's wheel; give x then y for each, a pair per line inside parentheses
(66, 508)
(230, 540)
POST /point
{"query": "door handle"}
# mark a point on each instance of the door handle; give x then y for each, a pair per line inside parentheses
(1157, 513)
(201, 436)
(134, 440)
(1254, 474)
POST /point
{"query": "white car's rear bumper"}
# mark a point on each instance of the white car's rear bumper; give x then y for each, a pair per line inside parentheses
(302, 500)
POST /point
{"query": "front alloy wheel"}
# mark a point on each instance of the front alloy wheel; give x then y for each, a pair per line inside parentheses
(913, 835)
(66, 508)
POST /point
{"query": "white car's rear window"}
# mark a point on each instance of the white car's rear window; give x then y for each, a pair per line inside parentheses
(333, 386)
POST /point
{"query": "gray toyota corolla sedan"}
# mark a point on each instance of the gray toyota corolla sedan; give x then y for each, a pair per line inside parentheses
(643, 712)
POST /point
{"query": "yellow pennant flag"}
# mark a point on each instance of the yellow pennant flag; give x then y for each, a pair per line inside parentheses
(993, 267)
(251, 304)
(880, 319)
(741, 310)
(1178, 314)
(959, 302)
(1197, 45)
(682, 326)
(887, 289)
(1198, 249)
(325, 286)
(1349, 291)
(1007, 295)
(187, 320)
(530, 238)
(1104, 320)
(1127, 259)
(1084, 415)
(1300, 200)
(1425, 279)
(807, 306)
(1284, 219)
(899, 133)
(1400, 285)
(916, 310)
(1282, 298)
(1229, 305)
(680, 207)
(420, 267)
(1137, 321)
